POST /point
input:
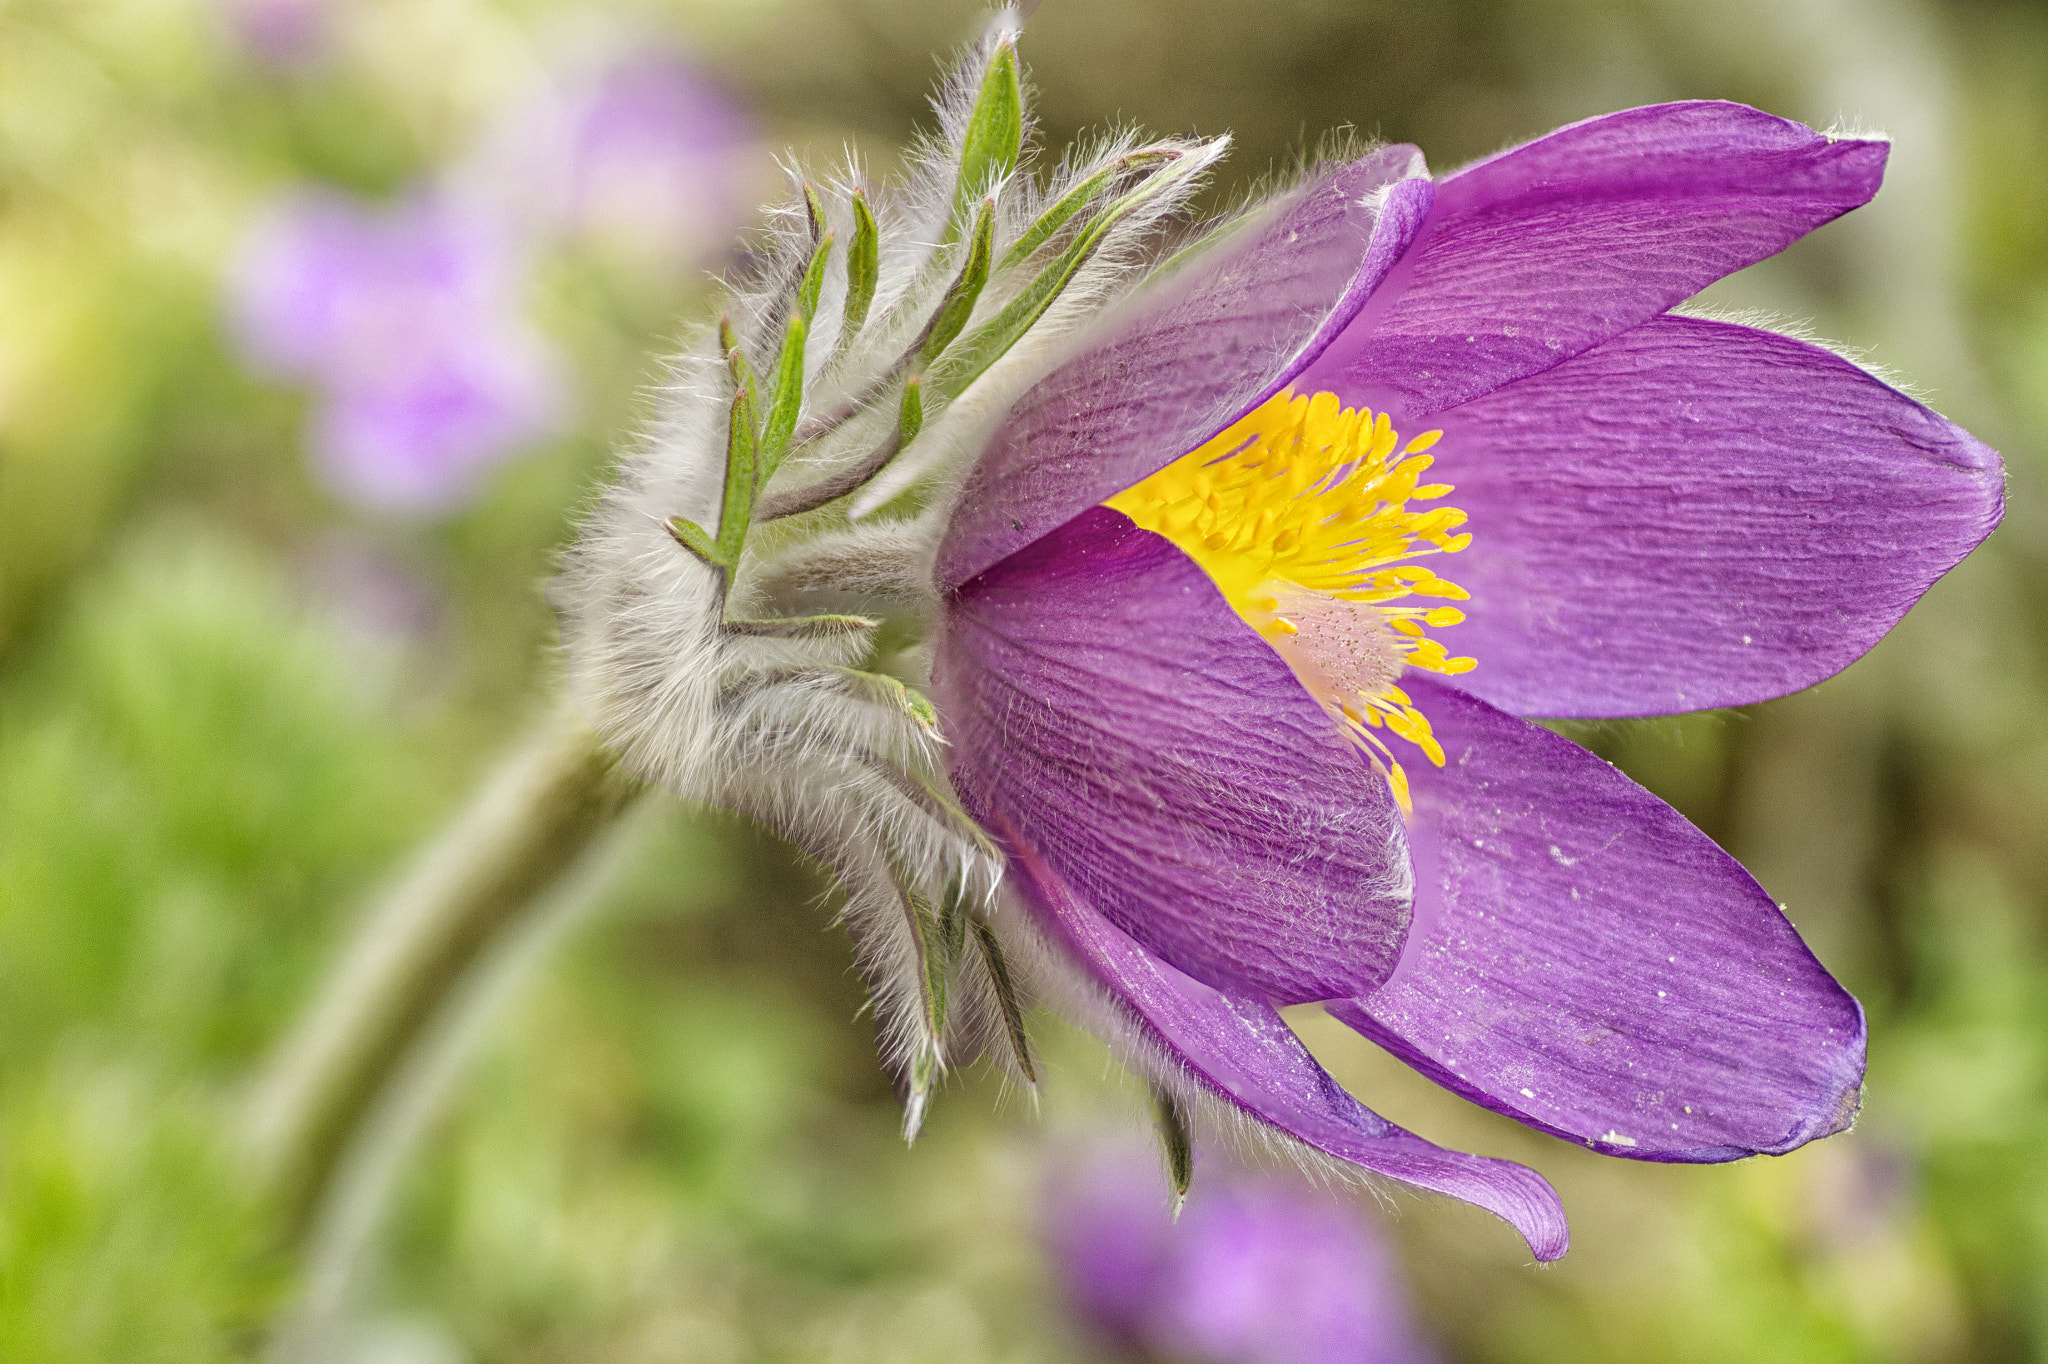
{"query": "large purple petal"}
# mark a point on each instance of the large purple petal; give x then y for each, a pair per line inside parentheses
(1201, 351)
(1543, 251)
(1242, 1051)
(1698, 514)
(1589, 963)
(1100, 694)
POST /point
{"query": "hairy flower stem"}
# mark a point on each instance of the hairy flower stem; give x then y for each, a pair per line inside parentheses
(528, 825)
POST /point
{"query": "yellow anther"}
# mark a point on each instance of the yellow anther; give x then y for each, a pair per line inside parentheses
(1397, 780)
(1303, 507)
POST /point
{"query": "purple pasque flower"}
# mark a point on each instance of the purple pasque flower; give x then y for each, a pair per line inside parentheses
(1259, 1270)
(406, 323)
(1233, 770)
(1230, 693)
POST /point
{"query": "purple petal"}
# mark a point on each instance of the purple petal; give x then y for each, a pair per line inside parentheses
(1205, 349)
(1242, 1051)
(1100, 695)
(1543, 251)
(1587, 962)
(1698, 514)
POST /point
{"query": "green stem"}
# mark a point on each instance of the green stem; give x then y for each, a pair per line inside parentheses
(528, 825)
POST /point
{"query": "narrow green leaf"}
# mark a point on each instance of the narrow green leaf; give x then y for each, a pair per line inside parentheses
(814, 279)
(838, 485)
(958, 304)
(883, 689)
(910, 413)
(802, 627)
(691, 536)
(939, 804)
(933, 796)
(1078, 198)
(1177, 1143)
(787, 401)
(932, 977)
(942, 805)
(743, 382)
(921, 710)
(728, 339)
(863, 266)
(738, 510)
(931, 960)
(1006, 996)
(814, 209)
(995, 130)
(953, 923)
(988, 343)
(924, 1068)
(940, 328)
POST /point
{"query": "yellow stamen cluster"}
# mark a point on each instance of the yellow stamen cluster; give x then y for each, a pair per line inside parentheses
(1300, 515)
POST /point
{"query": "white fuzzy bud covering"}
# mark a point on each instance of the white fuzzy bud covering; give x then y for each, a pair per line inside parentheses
(693, 670)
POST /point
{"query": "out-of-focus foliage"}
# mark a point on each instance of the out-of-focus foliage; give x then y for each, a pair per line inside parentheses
(231, 701)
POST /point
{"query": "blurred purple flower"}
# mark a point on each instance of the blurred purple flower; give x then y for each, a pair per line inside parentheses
(406, 323)
(1259, 1270)
(283, 34)
(633, 151)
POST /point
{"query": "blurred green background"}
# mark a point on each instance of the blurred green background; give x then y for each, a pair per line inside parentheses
(232, 699)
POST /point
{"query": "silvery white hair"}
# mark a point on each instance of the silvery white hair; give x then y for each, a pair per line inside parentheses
(742, 612)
